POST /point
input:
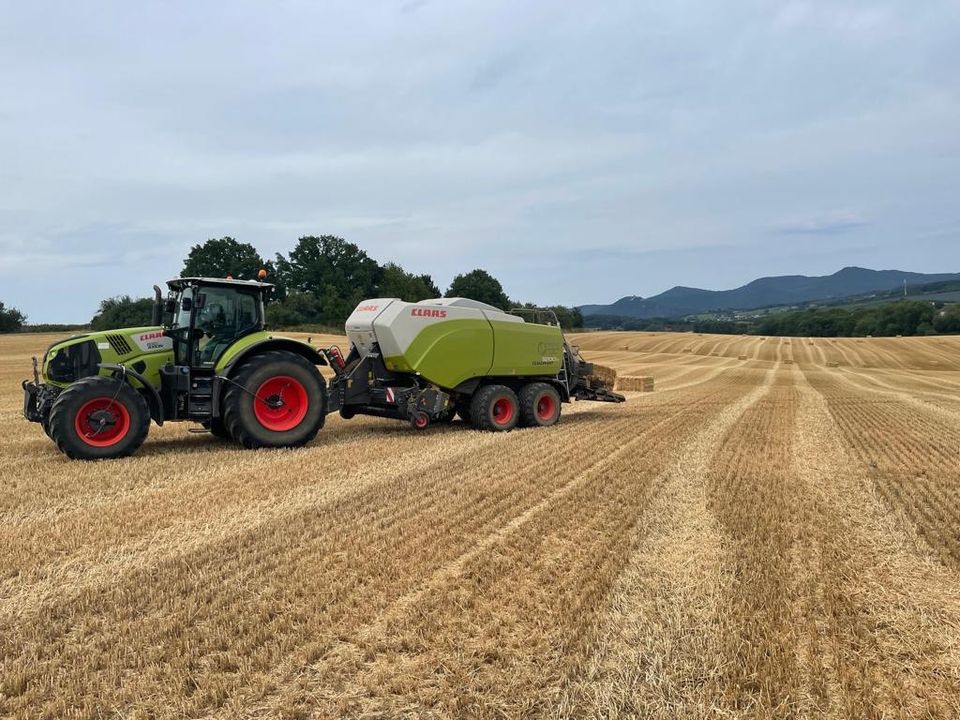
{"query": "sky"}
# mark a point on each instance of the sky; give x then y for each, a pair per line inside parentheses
(579, 152)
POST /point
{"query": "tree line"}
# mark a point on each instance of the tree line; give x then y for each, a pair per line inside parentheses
(904, 317)
(318, 283)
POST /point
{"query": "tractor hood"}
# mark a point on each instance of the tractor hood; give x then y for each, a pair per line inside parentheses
(144, 349)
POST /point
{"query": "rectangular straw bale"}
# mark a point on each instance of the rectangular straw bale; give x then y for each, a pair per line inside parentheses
(641, 383)
(606, 375)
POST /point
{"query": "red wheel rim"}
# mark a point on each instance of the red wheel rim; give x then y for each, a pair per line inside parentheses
(281, 403)
(546, 407)
(421, 421)
(102, 422)
(503, 411)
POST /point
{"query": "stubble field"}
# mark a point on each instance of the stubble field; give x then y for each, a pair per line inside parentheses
(774, 532)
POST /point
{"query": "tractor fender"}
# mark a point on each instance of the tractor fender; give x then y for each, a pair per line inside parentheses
(274, 343)
(150, 392)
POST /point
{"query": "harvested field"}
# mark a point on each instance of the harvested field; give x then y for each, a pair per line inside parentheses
(775, 532)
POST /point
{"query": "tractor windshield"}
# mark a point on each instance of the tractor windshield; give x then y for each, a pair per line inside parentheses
(225, 315)
(208, 319)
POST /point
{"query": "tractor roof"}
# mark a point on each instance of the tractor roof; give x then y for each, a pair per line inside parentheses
(180, 283)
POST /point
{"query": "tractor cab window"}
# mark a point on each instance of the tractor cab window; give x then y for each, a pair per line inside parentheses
(224, 315)
(181, 316)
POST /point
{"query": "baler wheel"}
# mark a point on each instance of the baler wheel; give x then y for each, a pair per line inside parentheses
(539, 405)
(99, 418)
(494, 407)
(420, 421)
(275, 399)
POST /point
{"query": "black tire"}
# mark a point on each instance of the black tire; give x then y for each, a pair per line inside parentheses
(99, 418)
(539, 405)
(347, 413)
(218, 429)
(275, 423)
(495, 408)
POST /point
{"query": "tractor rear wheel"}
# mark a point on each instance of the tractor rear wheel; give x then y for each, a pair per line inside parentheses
(494, 407)
(99, 418)
(275, 399)
(539, 405)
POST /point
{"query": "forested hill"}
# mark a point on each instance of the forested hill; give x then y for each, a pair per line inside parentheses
(765, 292)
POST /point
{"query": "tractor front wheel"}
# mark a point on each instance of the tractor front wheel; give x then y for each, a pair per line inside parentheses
(275, 399)
(99, 418)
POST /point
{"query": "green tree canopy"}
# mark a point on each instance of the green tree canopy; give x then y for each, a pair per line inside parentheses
(220, 257)
(397, 282)
(11, 319)
(297, 308)
(949, 321)
(123, 312)
(904, 317)
(338, 274)
(570, 318)
(481, 286)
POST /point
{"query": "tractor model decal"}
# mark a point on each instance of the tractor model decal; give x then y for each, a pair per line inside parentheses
(153, 340)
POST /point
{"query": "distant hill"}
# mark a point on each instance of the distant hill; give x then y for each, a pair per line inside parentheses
(765, 292)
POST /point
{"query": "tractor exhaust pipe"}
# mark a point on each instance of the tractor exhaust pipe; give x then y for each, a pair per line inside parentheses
(157, 306)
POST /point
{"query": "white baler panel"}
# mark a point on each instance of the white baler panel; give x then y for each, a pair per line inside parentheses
(493, 313)
(398, 325)
(359, 325)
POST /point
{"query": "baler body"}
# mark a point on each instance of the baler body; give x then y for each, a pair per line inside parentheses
(450, 341)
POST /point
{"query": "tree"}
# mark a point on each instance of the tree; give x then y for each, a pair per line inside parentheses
(949, 321)
(221, 257)
(123, 312)
(11, 319)
(298, 308)
(338, 273)
(481, 286)
(570, 317)
(397, 282)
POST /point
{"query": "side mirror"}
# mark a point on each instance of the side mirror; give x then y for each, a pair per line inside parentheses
(186, 304)
(170, 306)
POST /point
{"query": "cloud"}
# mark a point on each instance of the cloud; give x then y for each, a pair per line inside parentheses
(579, 154)
(831, 224)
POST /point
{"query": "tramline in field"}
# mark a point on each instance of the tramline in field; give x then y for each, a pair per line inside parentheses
(208, 358)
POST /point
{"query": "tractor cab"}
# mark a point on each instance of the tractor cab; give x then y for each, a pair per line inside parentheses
(205, 316)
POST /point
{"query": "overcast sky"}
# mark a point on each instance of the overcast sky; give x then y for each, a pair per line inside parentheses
(578, 151)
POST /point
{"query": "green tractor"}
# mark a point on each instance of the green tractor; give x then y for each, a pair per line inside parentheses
(207, 358)
(210, 362)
